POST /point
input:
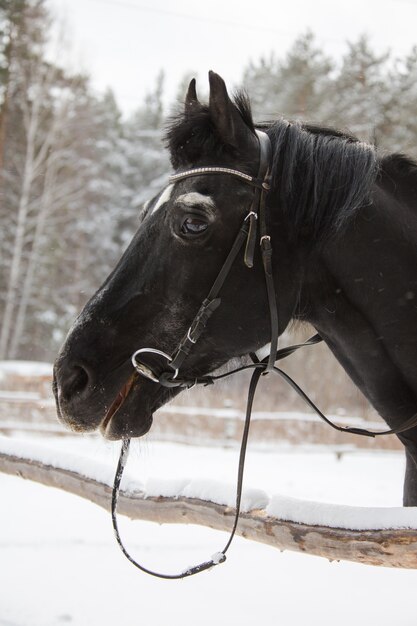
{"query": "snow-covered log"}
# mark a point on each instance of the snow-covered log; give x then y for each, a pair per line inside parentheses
(374, 536)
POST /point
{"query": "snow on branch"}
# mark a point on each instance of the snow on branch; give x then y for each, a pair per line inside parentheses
(374, 536)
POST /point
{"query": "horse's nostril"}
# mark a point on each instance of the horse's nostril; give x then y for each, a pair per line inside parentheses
(74, 382)
(80, 379)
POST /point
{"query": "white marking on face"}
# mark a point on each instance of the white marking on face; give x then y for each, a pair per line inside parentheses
(163, 198)
(196, 199)
(263, 352)
(143, 210)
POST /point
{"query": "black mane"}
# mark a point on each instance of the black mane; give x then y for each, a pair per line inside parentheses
(320, 175)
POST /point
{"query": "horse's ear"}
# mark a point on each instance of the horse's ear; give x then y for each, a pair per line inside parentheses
(224, 113)
(191, 98)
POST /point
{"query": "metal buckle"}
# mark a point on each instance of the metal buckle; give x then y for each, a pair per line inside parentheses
(146, 371)
(190, 338)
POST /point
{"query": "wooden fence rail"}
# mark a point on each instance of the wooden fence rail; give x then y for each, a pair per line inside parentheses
(390, 547)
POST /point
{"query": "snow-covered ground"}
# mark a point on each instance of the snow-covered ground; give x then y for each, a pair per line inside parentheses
(59, 563)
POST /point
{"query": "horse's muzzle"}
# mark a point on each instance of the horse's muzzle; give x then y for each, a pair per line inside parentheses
(122, 407)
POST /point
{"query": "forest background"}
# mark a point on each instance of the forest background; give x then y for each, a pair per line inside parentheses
(74, 172)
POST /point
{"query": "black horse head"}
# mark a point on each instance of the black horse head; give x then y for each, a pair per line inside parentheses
(151, 297)
(154, 292)
(343, 225)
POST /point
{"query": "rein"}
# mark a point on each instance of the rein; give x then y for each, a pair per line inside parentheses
(170, 378)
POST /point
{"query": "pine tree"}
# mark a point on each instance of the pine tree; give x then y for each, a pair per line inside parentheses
(261, 81)
(304, 77)
(148, 163)
(400, 129)
(358, 98)
(294, 87)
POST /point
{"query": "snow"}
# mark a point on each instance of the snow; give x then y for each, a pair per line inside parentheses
(339, 516)
(168, 488)
(25, 368)
(55, 456)
(220, 492)
(60, 563)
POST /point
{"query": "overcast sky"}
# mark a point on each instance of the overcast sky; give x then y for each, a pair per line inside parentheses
(125, 43)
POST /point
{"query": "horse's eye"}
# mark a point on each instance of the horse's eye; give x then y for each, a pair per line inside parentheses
(193, 226)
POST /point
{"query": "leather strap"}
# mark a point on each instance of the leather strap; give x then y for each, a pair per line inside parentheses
(209, 305)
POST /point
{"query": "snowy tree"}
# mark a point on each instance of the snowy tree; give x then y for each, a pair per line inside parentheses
(148, 163)
(82, 239)
(261, 80)
(294, 87)
(359, 96)
(25, 148)
(74, 176)
(58, 147)
(400, 129)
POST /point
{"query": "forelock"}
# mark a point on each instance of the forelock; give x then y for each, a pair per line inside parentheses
(191, 135)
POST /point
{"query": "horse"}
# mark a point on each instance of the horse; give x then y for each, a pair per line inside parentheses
(343, 225)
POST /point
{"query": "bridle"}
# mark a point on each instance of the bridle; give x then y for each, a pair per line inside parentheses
(248, 233)
(171, 377)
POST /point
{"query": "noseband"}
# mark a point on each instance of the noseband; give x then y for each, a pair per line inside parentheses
(171, 377)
